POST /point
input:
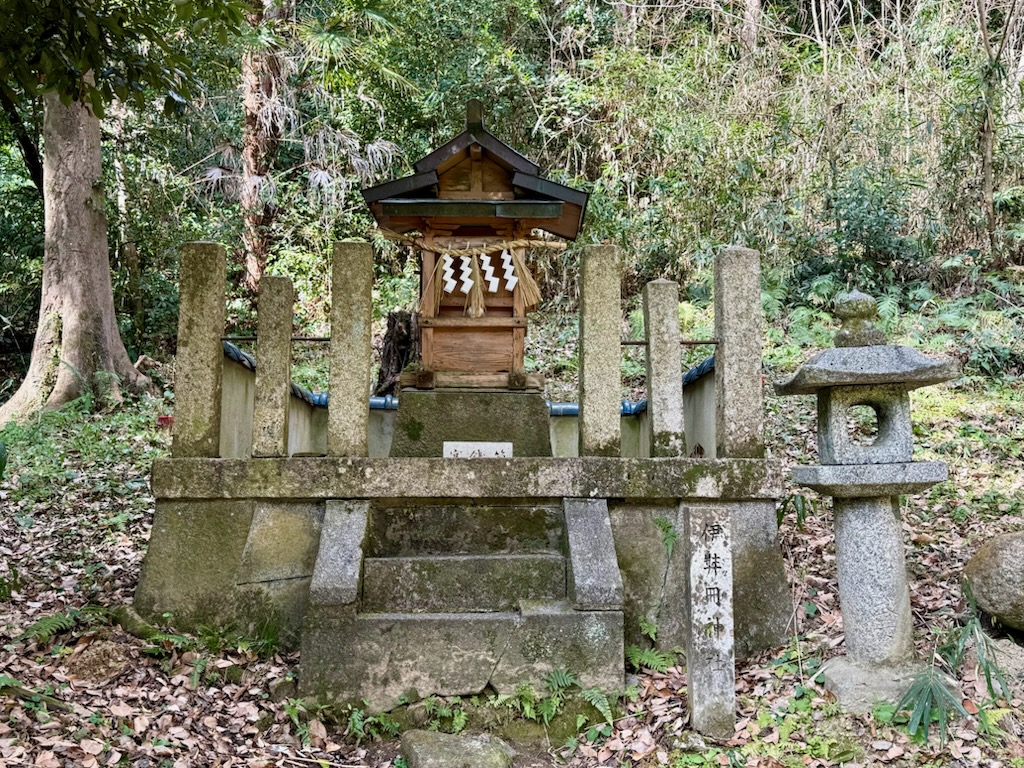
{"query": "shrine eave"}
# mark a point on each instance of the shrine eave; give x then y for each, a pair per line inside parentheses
(499, 209)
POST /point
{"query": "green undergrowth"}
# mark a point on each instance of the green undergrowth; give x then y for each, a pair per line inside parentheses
(555, 714)
(93, 453)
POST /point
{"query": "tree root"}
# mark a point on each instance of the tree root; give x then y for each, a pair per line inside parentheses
(132, 623)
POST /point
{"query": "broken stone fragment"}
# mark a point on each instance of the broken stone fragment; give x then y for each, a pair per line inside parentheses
(429, 749)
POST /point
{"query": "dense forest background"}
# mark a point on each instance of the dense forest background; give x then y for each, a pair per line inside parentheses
(876, 144)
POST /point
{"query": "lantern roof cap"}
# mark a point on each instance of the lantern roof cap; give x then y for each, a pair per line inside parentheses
(862, 357)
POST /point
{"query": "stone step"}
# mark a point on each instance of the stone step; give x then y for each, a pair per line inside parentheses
(460, 583)
(479, 529)
(390, 658)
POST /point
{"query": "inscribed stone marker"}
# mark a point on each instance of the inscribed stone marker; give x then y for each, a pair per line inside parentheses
(710, 653)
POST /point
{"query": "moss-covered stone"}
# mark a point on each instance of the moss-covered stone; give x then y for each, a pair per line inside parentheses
(429, 418)
(427, 478)
(428, 529)
(194, 557)
(996, 577)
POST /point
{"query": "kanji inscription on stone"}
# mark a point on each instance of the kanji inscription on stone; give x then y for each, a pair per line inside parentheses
(710, 655)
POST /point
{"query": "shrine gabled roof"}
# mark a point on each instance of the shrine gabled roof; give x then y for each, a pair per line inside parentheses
(400, 205)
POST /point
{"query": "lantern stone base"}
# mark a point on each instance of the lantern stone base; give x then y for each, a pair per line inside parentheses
(859, 687)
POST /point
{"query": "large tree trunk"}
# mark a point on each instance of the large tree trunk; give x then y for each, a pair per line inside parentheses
(77, 347)
(264, 82)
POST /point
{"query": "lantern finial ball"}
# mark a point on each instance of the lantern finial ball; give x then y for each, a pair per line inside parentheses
(858, 311)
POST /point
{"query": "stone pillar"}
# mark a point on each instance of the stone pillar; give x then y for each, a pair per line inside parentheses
(664, 368)
(599, 350)
(738, 391)
(873, 588)
(273, 366)
(348, 413)
(710, 650)
(198, 367)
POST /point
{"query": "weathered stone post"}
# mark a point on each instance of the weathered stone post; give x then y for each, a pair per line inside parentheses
(348, 414)
(739, 399)
(200, 359)
(273, 366)
(664, 361)
(865, 479)
(600, 351)
(763, 605)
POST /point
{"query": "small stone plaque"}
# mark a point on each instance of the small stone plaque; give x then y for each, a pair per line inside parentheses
(455, 449)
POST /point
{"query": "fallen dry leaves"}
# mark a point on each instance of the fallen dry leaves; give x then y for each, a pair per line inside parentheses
(85, 541)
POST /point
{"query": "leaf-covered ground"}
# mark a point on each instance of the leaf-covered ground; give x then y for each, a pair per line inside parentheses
(80, 690)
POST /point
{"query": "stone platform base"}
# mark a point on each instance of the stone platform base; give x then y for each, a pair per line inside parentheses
(859, 688)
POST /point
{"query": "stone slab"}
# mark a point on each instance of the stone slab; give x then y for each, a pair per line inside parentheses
(553, 636)
(664, 364)
(274, 610)
(389, 658)
(584, 477)
(283, 541)
(595, 583)
(339, 559)
(198, 363)
(193, 561)
(432, 529)
(858, 688)
(427, 419)
(647, 581)
(460, 583)
(430, 749)
(762, 603)
(273, 366)
(739, 396)
(600, 355)
(348, 416)
(864, 480)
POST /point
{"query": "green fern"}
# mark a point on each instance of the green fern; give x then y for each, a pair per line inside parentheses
(599, 701)
(669, 535)
(548, 708)
(650, 658)
(49, 627)
(649, 629)
(558, 680)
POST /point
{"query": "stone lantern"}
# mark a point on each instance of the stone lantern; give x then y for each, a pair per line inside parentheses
(865, 480)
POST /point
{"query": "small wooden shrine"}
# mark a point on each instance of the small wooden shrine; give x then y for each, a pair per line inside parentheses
(471, 208)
